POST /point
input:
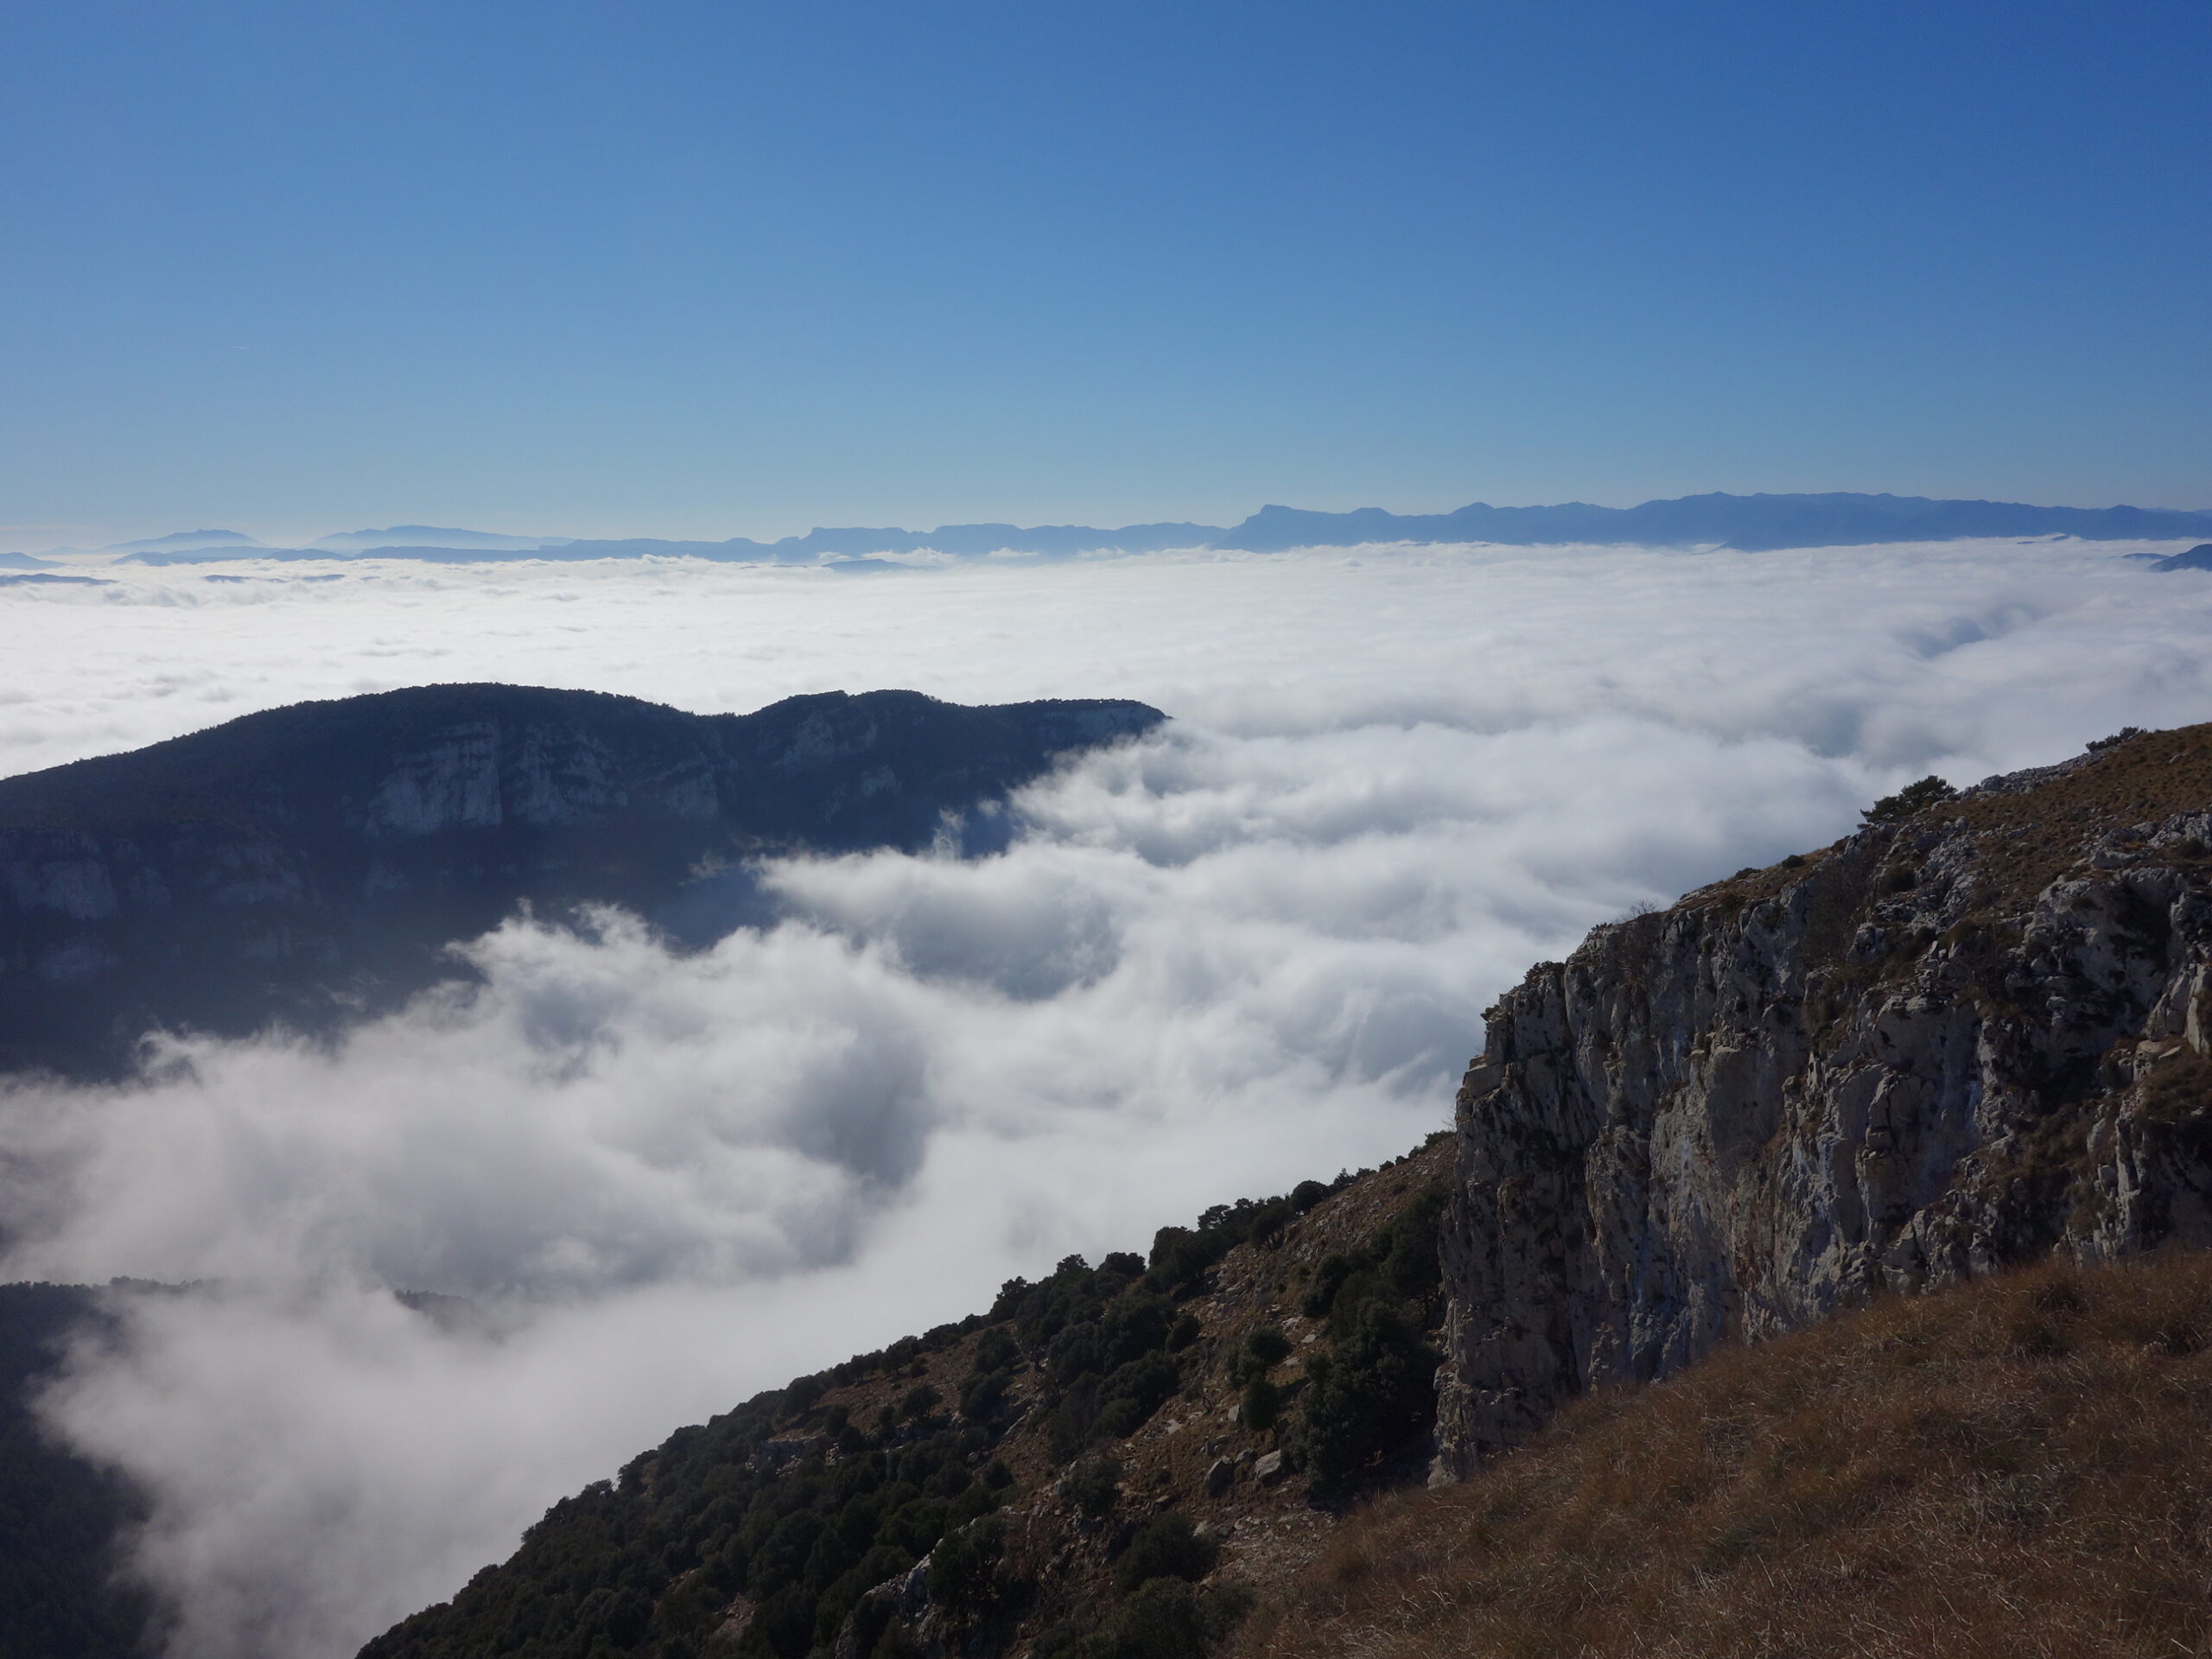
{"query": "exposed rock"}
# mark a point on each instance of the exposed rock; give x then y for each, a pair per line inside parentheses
(308, 864)
(1937, 1048)
(1268, 1468)
(737, 1618)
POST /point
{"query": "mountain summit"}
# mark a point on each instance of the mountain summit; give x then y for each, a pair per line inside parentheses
(303, 862)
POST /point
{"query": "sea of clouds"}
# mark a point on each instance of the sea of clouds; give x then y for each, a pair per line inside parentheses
(1248, 950)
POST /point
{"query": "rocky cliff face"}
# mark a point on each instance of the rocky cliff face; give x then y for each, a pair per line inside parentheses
(1937, 1047)
(308, 863)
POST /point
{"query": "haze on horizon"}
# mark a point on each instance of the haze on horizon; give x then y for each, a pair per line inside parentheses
(692, 269)
(695, 271)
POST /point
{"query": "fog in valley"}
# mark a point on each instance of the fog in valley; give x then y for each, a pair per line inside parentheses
(1251, 950)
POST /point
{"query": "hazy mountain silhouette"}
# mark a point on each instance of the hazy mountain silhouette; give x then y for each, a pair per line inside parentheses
(184, 541)
(309, 863)
(418, 536)
(2196, 558)
(1747, 522)
(1750, 523)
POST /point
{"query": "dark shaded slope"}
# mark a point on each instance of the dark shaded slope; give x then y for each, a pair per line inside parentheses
(307, 863)
(60, 1516)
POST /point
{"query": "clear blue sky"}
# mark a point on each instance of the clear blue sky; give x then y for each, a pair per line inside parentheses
(676, 268)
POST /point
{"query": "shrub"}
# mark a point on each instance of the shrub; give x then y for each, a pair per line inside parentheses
(997, 1350)
(1165, 1618)
(1410, 1263)
(919, 1402)
(962, 1566)
(1073, 1421)
(1368, 1395)
(1095, 1487)
(1328, 1279)
(983, 1393)
(1264, 1349)
(1165, 1547)
(1134, 1391)
(1262, 1404)
(1913, 797)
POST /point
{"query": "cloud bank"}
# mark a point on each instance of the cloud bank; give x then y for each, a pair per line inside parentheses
(1249, 951)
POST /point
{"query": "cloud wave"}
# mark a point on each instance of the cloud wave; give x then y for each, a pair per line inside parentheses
(1248, 950)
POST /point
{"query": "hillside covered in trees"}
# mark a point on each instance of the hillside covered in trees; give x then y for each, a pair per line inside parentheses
(1110, 1461)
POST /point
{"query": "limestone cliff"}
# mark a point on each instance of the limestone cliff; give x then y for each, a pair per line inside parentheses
(306, 864)
(1941, 1045)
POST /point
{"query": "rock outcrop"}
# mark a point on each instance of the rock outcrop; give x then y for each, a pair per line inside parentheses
(1941, 1046)
(309, 863)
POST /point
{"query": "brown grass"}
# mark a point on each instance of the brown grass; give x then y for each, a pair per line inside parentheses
(2018, 1469)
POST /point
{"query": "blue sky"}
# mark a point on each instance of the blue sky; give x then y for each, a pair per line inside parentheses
(708, 269)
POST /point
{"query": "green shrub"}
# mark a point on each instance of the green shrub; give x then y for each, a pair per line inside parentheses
(1373, 1391)
(919, 1402)
(1134, 1391)
(1410, 1262)
(997, 1350)
(983, 1393)
(1913, 797)
(1095, 1487)
(1262, 1404)
(1263, 1349)
(962, 1566)
(1328, 1279)
(1165, 1547)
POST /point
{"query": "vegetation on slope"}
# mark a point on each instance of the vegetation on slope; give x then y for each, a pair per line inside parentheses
(60, 1516)
(1064, 1474)
(2015, 1468)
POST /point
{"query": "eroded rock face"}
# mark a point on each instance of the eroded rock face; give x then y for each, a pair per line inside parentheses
(305, 864)
(1934, 1049)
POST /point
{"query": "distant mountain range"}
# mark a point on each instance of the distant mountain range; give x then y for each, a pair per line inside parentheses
(1750, 523)
(308, 864)
(1747, 522)
(429, 536)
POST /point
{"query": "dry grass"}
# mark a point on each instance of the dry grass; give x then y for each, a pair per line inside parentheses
(2018, 1469)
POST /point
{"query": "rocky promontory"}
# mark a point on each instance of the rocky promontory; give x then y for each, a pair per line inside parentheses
(308, 864)
(1973, 1033)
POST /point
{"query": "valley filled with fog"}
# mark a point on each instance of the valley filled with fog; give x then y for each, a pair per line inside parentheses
(1247, 950)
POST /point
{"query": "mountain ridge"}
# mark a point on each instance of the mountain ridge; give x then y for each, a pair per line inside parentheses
(297, 863)
(1113, 1462)
(1755, 522)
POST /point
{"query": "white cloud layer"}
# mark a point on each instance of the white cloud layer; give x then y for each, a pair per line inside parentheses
(1251, 950)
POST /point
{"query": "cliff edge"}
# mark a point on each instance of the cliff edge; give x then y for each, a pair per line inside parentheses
(309, 865)
(1971, 1036)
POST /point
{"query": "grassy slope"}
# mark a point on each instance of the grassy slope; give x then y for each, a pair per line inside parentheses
(2017, 1468)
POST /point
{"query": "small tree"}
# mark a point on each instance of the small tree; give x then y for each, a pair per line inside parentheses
(1896, 809)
